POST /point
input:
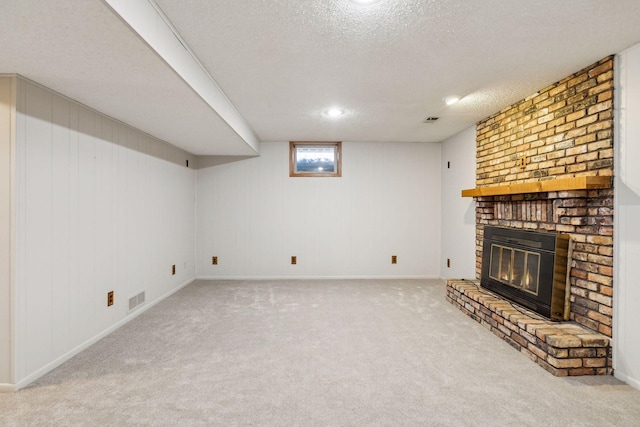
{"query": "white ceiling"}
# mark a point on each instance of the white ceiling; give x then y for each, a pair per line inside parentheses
(282, 63)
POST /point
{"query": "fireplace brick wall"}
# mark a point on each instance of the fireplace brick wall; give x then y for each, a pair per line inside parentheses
(564, 130)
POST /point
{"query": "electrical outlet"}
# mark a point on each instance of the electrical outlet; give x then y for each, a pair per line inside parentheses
(214, 260)
(109, 298)
(394, 259)
(173, 270)
(294, 260)
(448, 263)
(522, 162)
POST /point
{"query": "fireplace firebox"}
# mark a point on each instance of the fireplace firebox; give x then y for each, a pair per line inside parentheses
(529, 268)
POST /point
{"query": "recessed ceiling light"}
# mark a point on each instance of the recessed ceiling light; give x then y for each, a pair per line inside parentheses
(364, 1)
(334, 112)
(450, 100)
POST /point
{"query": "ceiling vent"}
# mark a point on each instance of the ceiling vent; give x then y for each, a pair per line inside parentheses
(431, 119)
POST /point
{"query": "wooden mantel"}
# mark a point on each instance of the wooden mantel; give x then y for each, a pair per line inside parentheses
(561, 184)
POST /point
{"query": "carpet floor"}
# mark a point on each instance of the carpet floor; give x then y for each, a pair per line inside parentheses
(312, 353)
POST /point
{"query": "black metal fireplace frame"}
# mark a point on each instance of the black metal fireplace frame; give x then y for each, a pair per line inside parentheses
(552, 299)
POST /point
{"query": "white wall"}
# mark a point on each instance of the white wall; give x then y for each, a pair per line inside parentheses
(458, 213)
(254, 217)
(626, 334)
(99, 207)
(5, 228)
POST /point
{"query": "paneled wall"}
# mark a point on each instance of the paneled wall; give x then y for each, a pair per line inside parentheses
(99, 207)
(626, 351)
(458, 213)
(254, 217)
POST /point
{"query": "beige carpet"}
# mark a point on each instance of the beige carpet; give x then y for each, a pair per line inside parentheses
(312, 353)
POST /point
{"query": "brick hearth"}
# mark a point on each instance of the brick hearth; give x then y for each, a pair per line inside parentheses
(561, 348)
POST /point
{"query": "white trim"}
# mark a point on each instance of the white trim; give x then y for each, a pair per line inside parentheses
(156, 30)
(318, 277)
(60, 360)
(12, 273)
(7, 388)
(631, 381)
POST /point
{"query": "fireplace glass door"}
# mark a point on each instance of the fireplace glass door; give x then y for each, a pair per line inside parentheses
(515, 267)
(527, 267)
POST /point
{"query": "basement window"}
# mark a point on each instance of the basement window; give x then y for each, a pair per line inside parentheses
(319, 159)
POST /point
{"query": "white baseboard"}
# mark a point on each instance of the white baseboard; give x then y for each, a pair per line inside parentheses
(627, 379)
(317, 277)
(7, 388)
(60, 360)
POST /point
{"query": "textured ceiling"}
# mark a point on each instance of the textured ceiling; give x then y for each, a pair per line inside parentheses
(282, 63)
(81, 49)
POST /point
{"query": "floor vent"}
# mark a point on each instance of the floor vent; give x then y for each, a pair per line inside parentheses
(135, 301)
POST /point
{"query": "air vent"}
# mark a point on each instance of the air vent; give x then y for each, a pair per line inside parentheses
(431, 119)
(136, 301)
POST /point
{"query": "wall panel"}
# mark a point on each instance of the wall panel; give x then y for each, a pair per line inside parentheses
(38, 289)
(254, 217)
(61, 216)
(626, 349)
(100, 207)
(458, 213)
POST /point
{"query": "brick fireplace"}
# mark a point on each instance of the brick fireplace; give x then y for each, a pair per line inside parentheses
(545, 164)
